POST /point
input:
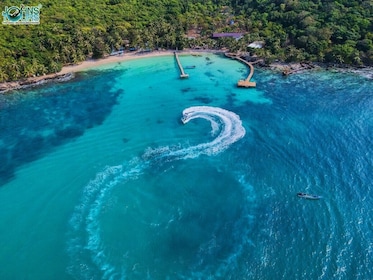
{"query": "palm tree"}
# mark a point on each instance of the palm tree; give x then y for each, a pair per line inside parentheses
(321, 57)
(34, 68)
(14, 66)
(40, 33)
(54, 67)
(66, 53)
(56, 56)
(15, 74)
(87, 47)
(22, 64)
(13, 70)
(356, 58)
(51, 44)
(68, 40)
(42, 48)
(29, 71)
(111, 41)
(56, 29)
(3, 75)
(42, 69)
(80, 55)
(74, 58)
(77, 36)
(338, 58)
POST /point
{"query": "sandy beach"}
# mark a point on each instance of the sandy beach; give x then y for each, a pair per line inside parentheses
(66, 72)
(111, 59)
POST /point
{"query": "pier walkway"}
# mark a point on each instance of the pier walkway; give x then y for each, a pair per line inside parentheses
(244, 83)
(183, 75)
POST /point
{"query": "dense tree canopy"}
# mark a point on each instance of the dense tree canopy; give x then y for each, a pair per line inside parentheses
(339, 31)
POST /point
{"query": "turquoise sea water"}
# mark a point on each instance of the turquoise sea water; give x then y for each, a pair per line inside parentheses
(99, 178)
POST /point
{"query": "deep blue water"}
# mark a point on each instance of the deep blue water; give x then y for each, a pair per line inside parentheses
(34, 122)
(99, 178)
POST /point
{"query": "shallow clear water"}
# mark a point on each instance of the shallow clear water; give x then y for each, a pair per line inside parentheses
(99, 179)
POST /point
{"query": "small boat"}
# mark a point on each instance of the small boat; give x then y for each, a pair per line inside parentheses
(184, 118)
(308, 196)
(190, 67)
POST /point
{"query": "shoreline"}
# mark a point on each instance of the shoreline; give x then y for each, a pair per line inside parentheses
(290, 68)
(68, 72)
(91, 63)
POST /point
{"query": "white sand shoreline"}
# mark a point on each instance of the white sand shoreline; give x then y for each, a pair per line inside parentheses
(91, 63)
(66, 72)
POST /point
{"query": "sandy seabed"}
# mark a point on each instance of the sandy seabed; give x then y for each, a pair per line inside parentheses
(111, 59)
(65, 73)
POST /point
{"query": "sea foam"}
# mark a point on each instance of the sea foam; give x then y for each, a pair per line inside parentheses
(85, 232)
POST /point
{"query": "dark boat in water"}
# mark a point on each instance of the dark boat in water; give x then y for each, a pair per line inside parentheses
(308, 196)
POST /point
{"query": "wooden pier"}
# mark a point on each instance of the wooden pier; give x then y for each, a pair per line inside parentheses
(244, 83)
(183, 75)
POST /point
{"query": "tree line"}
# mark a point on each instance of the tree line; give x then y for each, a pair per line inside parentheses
(70, 31)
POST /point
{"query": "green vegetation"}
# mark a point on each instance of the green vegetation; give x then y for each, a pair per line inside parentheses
(70, 31)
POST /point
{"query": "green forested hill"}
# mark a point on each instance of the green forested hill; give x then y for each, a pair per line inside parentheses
(337, 31)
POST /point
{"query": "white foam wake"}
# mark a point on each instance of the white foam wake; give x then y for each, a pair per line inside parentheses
(226, 123)
(85, 232)
(230, 124)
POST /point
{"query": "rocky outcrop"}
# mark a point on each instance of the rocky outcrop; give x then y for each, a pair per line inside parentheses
(35, 81)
